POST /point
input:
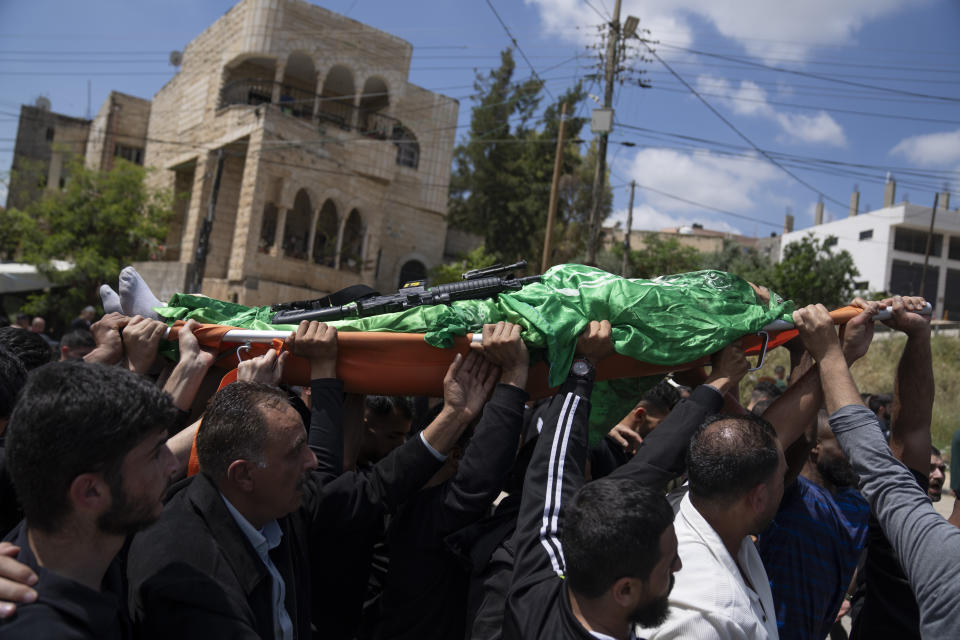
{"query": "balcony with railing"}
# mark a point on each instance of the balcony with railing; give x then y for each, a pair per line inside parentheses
(331, 110)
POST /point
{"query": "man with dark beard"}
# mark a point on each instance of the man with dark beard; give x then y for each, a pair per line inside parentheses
(591, 559)
(87, 450)
(811, 549)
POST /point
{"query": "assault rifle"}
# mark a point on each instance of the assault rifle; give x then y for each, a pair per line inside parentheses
(476, 285)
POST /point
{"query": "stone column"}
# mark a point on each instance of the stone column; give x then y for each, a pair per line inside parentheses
(197, 209)
(246, 231)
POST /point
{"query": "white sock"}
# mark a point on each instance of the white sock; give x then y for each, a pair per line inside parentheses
(135, 296)
(110, 300)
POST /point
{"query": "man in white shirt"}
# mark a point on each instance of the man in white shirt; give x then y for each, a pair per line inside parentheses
(736, 469)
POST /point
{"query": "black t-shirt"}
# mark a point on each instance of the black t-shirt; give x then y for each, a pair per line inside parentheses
(889, 608)
(65, 608)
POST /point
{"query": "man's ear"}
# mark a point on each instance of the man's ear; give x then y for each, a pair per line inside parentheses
(89, 492)
(757, 498)
(239, 475)
(640, 414)
(625, 592)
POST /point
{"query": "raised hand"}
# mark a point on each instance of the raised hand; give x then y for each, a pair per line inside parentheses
(595, 342)
(468, 384)
(190, 349)
(106, 333)
(503, 346)
(905, 315)
(858, 332)
(141, 337)
(626, 437)
(16, 579)
(317, 342)
(816, 330)
(265, 369)
(729, 365)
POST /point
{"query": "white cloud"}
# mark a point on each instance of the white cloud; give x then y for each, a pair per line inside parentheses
(718, 181)
(931, 150)
(748, 99)
(648, 218)
(766, 29)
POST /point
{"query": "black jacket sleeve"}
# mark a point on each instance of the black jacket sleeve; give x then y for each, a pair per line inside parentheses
(662, 455)
(486, 462)
(326, 427)
(357, 501)
(555, 473)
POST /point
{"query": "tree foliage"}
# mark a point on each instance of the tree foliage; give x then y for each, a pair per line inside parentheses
(500, 185)
(100, 221)
(479, 258)
(809, 272)
(748, 263)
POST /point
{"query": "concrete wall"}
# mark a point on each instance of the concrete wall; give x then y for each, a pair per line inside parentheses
(122, 120)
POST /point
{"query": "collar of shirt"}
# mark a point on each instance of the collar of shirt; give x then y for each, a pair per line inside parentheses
(263, 540)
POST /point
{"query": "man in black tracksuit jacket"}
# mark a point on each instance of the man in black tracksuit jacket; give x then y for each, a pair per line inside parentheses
(612, 563)
(196, 574)
(660, 458)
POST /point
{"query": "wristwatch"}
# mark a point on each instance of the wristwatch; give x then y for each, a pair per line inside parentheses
(583, 369)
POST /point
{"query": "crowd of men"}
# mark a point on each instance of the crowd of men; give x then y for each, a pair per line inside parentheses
(483, 515)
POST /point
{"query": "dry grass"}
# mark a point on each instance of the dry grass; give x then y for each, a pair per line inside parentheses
(874, 373)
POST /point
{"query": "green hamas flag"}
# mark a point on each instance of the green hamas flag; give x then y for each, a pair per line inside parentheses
(668, 320)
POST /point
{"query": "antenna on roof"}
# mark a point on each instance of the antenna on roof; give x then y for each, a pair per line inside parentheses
(42, 103)
(176, 58)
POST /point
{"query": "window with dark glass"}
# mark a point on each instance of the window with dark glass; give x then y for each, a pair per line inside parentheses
(866, 235)
(915, 241)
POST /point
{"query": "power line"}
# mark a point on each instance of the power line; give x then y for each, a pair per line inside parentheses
(517, 45)
(736, 130)
(816, 76)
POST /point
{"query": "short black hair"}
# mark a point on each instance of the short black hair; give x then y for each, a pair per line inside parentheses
(385, 405)
(32, 349)
(12, 378)
(760, 407)
(730, 455)
(23, 317)
(935, 452)
(612, 530)
(78, 338)
(663, 397)
(74, 418)
(234, 426)
(878, 400)
(779, 368)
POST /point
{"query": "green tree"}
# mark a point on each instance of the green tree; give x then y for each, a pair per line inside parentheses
(99, 222)
(476, 259)
(809, 272)
(500, 185)
(659, 257)
(748, 263)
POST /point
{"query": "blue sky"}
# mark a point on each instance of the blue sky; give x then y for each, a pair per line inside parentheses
(839, 92)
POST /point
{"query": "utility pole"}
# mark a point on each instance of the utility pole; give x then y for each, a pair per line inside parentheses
(600, 177)
(199, 265)
(626, 236)
(552, 210)
(926, 253)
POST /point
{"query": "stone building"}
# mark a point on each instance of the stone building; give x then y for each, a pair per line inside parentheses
(119, 130)
(302, 159)
(46, 143)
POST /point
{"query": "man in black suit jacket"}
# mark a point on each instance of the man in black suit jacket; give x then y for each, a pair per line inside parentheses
(230, 555)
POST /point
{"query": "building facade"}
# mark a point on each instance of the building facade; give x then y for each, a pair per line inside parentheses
(888, 247)
(46, 143)
(301, 158)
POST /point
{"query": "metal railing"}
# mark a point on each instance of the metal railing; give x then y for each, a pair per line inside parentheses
(299, 103)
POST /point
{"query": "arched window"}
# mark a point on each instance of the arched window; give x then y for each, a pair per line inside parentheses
(296, 233)
(325, 237)
(299, 86)
(336, 99)
(410, 271)
(408, 149)
(351, 247)
(268, 228)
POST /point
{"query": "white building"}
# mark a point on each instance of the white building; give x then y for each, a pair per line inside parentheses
(888, 247)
